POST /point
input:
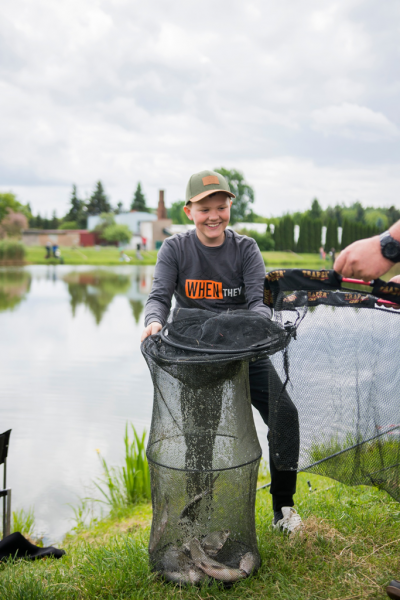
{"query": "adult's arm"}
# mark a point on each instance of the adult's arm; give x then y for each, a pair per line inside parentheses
(254, 277)
(363, 259)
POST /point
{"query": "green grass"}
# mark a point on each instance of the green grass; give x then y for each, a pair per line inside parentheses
(110, 256)
(104, 256)
(129, 484)
(349, 550)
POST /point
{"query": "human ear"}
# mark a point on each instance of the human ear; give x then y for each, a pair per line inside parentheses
(188, 212)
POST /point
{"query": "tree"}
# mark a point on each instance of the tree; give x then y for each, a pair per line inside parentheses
(120, 208)
(139, 200)
(98, 201)
(243, 191)
(316, 210)
(176, 213)
(331, 235)
(264, 241)
(110, 231)
(8, 201)
(77, 212)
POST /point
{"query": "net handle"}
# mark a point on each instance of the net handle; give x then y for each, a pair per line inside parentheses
(370, 284)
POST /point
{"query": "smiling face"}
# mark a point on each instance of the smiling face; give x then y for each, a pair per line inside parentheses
(211, 216)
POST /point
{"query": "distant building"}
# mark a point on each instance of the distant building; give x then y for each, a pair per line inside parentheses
(133, 219)
(57, 237)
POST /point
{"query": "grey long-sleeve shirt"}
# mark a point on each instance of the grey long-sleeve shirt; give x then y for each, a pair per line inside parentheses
(230, 276)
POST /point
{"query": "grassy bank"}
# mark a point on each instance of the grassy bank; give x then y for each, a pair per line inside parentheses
(111, 256)
(349, 550)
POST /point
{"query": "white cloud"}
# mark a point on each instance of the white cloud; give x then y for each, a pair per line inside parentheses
(355, 122)
(123, 91)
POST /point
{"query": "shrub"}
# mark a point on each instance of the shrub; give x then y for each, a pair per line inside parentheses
(12, 250)
(264, 241)
(69, 225)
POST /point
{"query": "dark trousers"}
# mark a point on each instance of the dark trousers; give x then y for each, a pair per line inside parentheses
(280, 414)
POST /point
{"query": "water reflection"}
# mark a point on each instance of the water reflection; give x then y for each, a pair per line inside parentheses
(14, 287)
(96, 290)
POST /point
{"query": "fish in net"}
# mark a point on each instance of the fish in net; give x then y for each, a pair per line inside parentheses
(342, 372)
(203, 449)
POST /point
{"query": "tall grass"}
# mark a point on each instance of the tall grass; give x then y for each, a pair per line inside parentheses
(129, 484)
(23, 521)
(11, 250)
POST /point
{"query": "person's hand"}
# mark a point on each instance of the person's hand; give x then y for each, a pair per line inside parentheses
(363, 260)
(395, 279)
(151, 330)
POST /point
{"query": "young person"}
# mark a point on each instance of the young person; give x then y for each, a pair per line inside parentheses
(186, 263)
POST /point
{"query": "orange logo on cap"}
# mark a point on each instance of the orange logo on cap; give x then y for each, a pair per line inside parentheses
(210, 179)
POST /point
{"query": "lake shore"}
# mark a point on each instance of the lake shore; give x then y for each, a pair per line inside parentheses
(349, 549)
(110, 256)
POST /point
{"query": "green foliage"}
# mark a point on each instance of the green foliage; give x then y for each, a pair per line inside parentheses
(316, 210)
(139, 200)
(69, 225)
(353, 231)
(23, 521)
(77, 212)
(130, 484)
(377, 219)
(110, 231)
(243, 191)
(310, 234)
(11, 250)
(331, 235)
(8, 201)
(284, 234)
(264, 241)
(98, 201)
(117, 233)
(177, 214)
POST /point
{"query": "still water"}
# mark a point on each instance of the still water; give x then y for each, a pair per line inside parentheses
(71, 376)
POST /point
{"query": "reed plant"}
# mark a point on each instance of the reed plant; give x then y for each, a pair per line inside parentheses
(23, 521)
(127, 485)
(11, 250)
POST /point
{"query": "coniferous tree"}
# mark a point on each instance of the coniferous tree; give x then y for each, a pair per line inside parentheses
(139, 200)
(331, 235)
(77, 212)
(98, 201)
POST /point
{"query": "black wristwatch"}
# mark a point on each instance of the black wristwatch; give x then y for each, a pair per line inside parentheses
(390, 247)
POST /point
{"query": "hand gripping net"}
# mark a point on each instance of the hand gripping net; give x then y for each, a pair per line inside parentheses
(344, 375)
(203, 449)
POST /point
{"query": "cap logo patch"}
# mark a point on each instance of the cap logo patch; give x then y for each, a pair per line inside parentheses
(210, 180)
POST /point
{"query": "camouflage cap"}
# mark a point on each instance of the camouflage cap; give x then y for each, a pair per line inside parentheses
(204, 184)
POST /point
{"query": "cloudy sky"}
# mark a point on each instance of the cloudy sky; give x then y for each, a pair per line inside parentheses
(303, 97)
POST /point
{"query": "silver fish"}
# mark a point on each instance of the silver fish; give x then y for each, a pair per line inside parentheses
(175, 560)
(156, 534)
(247, 562)
(214, 541)
(197, 499)
(211, 567)
(192, 576)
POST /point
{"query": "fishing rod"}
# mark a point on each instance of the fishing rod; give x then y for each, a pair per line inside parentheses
(369, 284)
(339, 453)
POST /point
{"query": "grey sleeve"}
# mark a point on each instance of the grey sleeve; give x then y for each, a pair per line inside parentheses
(253, 276)
(158, 303)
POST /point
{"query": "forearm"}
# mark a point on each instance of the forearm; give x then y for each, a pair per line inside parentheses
(394, 231)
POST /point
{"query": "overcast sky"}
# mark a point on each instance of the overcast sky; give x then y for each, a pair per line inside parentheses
(303, 97)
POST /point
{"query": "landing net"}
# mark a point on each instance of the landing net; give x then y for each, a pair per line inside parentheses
(342, 371)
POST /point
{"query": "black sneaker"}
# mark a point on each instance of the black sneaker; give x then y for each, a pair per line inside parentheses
(393, 589)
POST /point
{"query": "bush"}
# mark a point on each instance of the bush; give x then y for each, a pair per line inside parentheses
(12, 250)
(264, 241)
(116, 233)
(69, 225)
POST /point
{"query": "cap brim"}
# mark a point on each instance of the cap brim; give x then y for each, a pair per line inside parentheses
(208, 193)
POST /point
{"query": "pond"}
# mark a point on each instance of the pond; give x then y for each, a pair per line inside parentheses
(72, 376)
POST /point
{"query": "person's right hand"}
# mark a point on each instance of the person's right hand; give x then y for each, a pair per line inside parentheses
(363, 259)
(151, 330)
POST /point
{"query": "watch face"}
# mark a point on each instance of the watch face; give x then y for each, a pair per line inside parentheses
(391, 250)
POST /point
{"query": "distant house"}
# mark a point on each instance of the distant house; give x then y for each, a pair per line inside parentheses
(57, 237)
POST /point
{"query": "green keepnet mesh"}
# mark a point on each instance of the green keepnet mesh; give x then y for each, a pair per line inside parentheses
(203, 449)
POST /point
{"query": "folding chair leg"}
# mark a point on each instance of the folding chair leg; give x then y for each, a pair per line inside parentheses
(7, 513)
